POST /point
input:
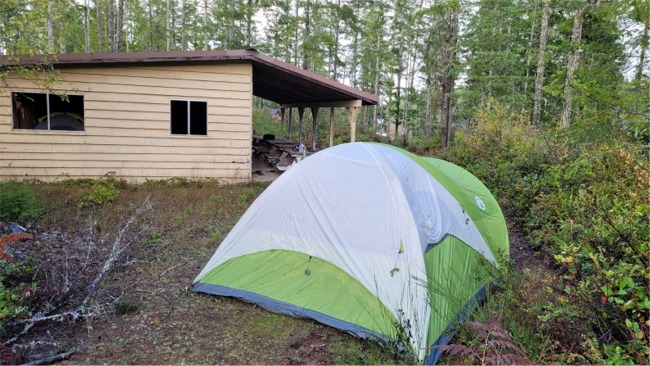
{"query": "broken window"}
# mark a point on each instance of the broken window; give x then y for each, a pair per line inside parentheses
(189, 117)
(43, 111)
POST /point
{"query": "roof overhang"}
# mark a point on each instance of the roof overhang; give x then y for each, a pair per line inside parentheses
(273, 79)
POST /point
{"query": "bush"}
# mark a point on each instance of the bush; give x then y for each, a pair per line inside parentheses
(102, 191)
(584, 201)
(593, 215)
(15, 279)
(17, 202)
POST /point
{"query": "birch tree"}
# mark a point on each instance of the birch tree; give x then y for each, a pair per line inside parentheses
(574, 58)
(539, 78)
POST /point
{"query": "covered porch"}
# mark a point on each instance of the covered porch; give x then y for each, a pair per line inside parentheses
(296, 90)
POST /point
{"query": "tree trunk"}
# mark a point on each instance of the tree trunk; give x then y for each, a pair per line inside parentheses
(539, 78)
(353, 66)
(183, 44)
(644, 47)
(305, 59)
(111, 25)
(249, 23)
(336, 41)
(150, 27)
(86, 27)
(120, 26)
(447, 80)
(377, 70)
(399, 99)
(231, 24)
(50, 28)
(206, 39)
(530, 46)
(571, 67)
(100, 28)
(295, 39)
(430, 64)
(168, 28)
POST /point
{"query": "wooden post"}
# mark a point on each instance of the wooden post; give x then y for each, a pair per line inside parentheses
(353, 112)
(301, 113)
(281, 121)
(314, 115)
(290, 119)
(331, 126)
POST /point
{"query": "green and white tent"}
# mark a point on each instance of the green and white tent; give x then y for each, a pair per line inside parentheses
(369, 239)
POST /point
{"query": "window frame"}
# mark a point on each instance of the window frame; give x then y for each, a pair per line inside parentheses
(189, 117)
(48, 112)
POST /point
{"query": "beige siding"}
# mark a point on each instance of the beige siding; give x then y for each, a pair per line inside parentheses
(127, 126)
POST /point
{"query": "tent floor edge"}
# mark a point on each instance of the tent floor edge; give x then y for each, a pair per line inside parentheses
(445, 338)
(284, 308)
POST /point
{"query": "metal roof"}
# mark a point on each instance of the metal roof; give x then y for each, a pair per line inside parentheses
(273, 79)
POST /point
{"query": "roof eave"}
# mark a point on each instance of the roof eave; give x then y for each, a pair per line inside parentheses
(82, 59)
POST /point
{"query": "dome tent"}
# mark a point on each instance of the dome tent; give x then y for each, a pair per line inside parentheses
(369, 239)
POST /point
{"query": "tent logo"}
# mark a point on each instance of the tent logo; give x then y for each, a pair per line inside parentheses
(479, 203)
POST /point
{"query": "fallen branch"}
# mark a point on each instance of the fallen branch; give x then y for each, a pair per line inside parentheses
(117, 249)
(83, 310)
(169, 269)
(51, 359)
(74, 314)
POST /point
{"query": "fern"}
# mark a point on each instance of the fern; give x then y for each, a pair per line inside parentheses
(493, 346)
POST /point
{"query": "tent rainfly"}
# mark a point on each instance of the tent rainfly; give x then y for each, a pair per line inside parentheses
(369, 239)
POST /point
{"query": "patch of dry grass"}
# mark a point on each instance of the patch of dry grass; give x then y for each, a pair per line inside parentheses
(153, 319)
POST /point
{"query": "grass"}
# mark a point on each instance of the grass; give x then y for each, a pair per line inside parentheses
(154, 319)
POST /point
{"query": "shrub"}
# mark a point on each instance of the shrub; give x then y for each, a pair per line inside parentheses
(102, 191)
(593, 215)
(14, 281)
(584, 201)
(126, 306)
(17, 202)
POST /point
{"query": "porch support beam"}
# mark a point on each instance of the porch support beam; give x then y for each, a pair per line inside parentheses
(331, 126)
(353, 112)
(314, 115)
(282, 110)
(301, 114)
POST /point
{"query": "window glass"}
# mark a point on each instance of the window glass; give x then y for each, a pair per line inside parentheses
(179, 117)
(198, 118)
(189, 117)
(42, 111)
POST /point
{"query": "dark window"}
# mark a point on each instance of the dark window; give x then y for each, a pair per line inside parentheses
(189, 117)
(42, 111)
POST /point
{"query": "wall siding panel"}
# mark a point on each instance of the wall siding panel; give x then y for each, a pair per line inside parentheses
(127, 126)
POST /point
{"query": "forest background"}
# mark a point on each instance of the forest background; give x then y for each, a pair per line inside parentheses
(546, 101)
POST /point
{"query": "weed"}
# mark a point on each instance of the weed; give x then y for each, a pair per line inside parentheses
(15, 279)
(216, 236)
(18, 202)
(181, 181)
(126, 306)
(102, 191)
(493, 346)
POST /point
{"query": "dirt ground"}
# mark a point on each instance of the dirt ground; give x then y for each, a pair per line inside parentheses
(148, 314)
